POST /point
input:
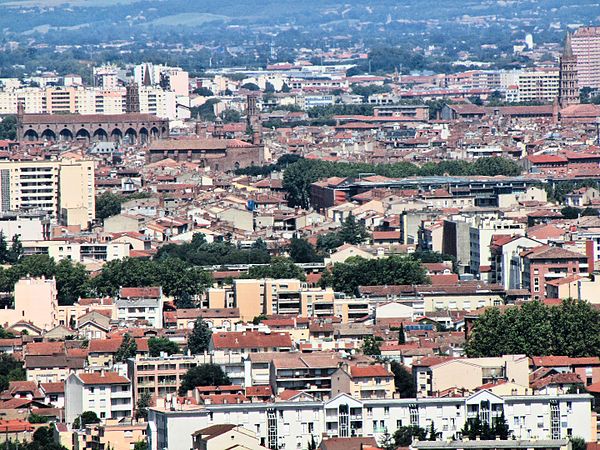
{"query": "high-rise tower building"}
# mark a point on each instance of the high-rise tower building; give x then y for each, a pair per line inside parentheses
(586, 48)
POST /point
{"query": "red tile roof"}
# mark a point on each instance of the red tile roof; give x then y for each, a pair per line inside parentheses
(251, 339)
(258, 391)
(44, 348)
(112, 345)
(376, 370)
(102, 378)
(136, 292)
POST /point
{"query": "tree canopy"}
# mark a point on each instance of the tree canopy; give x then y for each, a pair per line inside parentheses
(298, 177)
(199, 338)
(201, 253)
(158, 345)
(127, 349)
(351, 232)
(534, 329)
(357, 271)
(10, 370)
(278, 268)
(203, 375)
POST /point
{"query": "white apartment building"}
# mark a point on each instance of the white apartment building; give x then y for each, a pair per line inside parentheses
(536, 85)
(141, 305)
(290, 424)
(108, 394)
(173, 79)
(63, 189)
(91, 100)
(77, 251)
(480, 237)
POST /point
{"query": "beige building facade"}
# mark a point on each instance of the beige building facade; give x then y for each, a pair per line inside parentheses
(64, 189)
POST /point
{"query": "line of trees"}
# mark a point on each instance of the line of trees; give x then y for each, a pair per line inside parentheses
(298, 177)
(534, 329)
(357, 271)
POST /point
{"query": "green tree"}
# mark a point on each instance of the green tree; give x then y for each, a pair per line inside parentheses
(403, 380)
(231, 116)
(203, 92)
(404, 435)
(570, 212)
(199, 338)
(432, 432)
(16, 249)
(3, 249)
(258, 319)
(301, 251)
(387, 442)
(578, 443)
(10, 370)
(36, 418)
(357, 271)
(158, 345)
(86, 418)
(329, 242)
(250, 86)
(269, 88)
(278, 268)
(401, 335)
(501, 428)
(127, 349)
(140, 445)
(8, 128)
(353, 232)
(571, 328)
(371, 346)
(203, 375)
(107, 205)
(142, 405)
(71, 281)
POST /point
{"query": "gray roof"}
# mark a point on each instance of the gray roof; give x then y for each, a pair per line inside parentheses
(507, 444)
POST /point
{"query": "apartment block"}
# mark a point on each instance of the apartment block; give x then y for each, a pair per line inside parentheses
(586, 48)
(35, 302)
(363, 381)
(77, 251)
(433, 376)
(108, 394)
(545, 264)
(143, 306)
(63, 189)
(292, 424)
(307, 372)
(268, 296)
(161, 376)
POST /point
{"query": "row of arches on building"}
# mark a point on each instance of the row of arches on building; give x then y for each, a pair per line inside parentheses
(131, 136)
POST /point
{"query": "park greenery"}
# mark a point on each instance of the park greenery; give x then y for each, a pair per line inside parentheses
(534, 329)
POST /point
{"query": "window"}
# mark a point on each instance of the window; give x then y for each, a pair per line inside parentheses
(386, 411)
